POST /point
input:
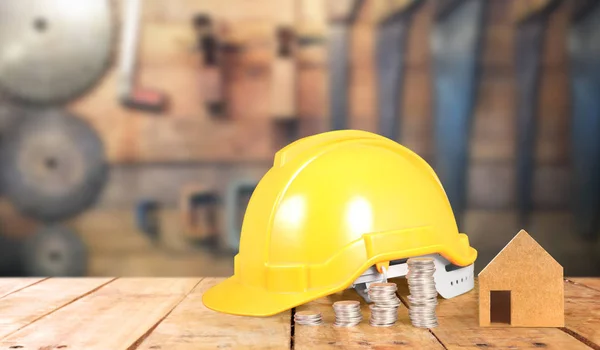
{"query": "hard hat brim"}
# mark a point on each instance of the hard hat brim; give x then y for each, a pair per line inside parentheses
(232, 297)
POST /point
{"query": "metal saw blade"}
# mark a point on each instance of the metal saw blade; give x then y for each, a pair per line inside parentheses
(53, 50)
(55, 251)
(52, 164)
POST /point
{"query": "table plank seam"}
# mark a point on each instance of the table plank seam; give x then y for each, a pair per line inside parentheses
(581, 285)
(146, 334)
(292, 328)
(23, 287)
(437, 338)
(580, 338)
(56, 309)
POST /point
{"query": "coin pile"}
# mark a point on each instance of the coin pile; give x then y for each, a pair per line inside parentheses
(308, 318)
(347, 313)
(423, 295)
(384, 311)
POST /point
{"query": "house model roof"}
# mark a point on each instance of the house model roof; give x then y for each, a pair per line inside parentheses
(522, 254)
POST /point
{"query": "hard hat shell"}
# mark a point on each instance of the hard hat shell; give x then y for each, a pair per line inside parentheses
(333, 205)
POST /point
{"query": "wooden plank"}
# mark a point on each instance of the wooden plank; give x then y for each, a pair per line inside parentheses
(110, 231)
(500, 32)
(115, 317)
(9, 285)
(150, 287)
(582, 312)
(551, 185)
(193, 326)
(160, 263)
(183, 133)
(38, 300)
(554, 117)
(590, 282)
(418, 54)
(417, 112)
(184, 10)
(494, 122)
(399, 336)
(459, 328)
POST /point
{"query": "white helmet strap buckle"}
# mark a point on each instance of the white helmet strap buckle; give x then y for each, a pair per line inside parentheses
(450, 280)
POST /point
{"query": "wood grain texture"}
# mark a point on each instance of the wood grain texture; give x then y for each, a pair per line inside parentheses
(193, 326)
(9, 285)
(459, 328)
(491, 185)
(400, 336)
(163, 182)
(590, 282)
(159, 263)
(38, 300)
(183, 10)
(170, 62)
(582, 311)
(115, 316)
(168, 313)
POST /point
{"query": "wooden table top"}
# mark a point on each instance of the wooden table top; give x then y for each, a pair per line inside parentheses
(167, 313)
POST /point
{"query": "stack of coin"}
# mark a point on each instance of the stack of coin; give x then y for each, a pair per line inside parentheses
(347, 313)
(308, 318)
(423, 295)
(384, 311)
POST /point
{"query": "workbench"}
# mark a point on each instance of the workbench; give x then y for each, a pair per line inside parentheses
(167, 313)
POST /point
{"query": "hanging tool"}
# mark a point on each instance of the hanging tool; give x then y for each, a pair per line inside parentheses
(456, 49)
(212, 72)
(198, 207)
(129, 94)
(284, 85)
(236, 201)
(55, 251)
(53, 51)
(342, 14)
(532, 18)
(584, 50)
(394, 22)
(147, 218)
(283, 101)
(52, 164)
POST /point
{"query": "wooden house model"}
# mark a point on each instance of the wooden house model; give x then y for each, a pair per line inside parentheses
(522, 287)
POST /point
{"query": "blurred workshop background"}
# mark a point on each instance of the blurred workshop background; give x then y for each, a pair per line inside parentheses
(134, 131)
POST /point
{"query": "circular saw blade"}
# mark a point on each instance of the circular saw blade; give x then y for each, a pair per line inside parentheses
(54, 251)
(53, 50)
(52, 165)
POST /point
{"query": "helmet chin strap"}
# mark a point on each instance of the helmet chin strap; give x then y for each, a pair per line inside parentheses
(450, 280)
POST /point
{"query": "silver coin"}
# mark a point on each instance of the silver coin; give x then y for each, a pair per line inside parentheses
(347, 313)
(423, 294)
(384, 310)
(308, 318)
(417, 261)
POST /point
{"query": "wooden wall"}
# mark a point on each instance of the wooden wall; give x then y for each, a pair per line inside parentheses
(153, 156)
(185, 133)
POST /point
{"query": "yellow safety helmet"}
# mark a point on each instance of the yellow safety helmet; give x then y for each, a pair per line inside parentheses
(333, 206)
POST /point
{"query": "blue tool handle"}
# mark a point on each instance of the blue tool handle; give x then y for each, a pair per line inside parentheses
(456, 46)
(584, 50)
(146, 217)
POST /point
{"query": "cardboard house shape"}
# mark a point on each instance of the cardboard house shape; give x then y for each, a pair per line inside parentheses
(522, 286)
